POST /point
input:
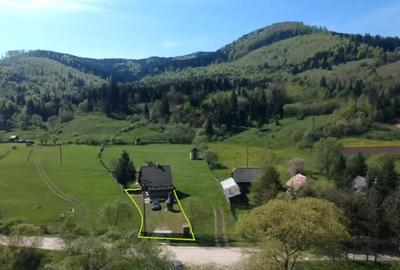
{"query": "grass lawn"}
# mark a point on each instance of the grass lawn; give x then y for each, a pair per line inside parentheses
(162, 220)
(193, 182)
(361, 142)
(96, 126)
(39, 190)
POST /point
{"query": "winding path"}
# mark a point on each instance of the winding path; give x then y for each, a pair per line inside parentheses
(50, 184)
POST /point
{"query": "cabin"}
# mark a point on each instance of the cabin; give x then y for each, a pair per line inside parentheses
(13, 138)
(230, 188)
(296, 182)
(156, 179)
(244, 177)
(194, 154)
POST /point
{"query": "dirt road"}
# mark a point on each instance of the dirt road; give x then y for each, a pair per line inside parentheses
(188, 255)
(220, 256)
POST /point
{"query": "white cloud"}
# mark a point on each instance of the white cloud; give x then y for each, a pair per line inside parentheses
(170, 44)
(13, 6)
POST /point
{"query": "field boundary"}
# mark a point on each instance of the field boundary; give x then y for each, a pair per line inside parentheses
(142, 220)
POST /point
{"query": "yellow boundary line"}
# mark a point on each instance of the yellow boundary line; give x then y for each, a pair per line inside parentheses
(142, 219)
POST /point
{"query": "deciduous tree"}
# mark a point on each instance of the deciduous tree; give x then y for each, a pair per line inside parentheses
(266, 186)
(287, 229)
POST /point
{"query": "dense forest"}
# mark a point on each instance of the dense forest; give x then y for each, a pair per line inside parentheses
(283, 70)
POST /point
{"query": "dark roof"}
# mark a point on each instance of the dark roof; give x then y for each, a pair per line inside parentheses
(195, 149)
(156, 177)
(245, 175)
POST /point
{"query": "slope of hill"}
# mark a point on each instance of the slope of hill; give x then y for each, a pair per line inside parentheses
(283, 70)
(292, 51)
(264, 37)
(35, 72)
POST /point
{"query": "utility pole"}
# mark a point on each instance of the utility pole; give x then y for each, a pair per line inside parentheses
(313, 123)
(144, 212)
(61, 158)
(247, 157)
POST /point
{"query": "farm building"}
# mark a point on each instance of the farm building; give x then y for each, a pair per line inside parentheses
(230, 188)
(194, 154)
(13, 138)
(156, 180)
(360, 184)
(296, 182)
(244, 177)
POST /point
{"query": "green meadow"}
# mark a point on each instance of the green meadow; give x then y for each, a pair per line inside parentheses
(38, 189)
(35, 188)
(192, 179)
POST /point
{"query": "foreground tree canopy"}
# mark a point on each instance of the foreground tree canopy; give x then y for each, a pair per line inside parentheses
(286, 229)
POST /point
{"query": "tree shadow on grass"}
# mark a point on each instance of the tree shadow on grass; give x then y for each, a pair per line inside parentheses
(239, 202)
(218, 166)
(181, 195)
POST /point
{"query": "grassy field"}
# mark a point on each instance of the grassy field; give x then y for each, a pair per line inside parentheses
(193, 181)
(361, 142)
(101, 128)
(35, 188)
(260, 143)
(38, 190)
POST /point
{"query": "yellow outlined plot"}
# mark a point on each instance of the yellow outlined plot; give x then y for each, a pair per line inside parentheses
(158, 237)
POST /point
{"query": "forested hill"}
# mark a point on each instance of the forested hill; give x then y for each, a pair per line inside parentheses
(283, 70)
(125, 70)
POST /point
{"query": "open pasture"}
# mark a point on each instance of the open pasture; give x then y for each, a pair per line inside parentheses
(198, 191)
(35, 188)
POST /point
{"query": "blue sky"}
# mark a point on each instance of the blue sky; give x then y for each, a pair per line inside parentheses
(143, 28)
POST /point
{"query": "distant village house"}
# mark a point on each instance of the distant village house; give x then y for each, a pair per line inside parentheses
(360, 184)
(194, 154)
(244, 177)
(13, 138)
(230, 188)
(296, 182)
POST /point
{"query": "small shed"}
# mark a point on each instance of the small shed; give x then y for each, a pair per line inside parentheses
(194, 154)
(138, 141)
(230, 188)
(13, 138)
(360, 184)
(296, 182)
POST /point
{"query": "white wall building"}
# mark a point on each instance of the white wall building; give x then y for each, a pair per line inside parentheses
(230, 188)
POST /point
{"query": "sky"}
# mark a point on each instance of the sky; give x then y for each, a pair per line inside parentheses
(143, 28)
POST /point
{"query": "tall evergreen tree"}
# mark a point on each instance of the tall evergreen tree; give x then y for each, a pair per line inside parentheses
(146, 111)
(266, 187)
(124, 170)
(339, 172)
(209, 130)
(357, 166)
(164, 108)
